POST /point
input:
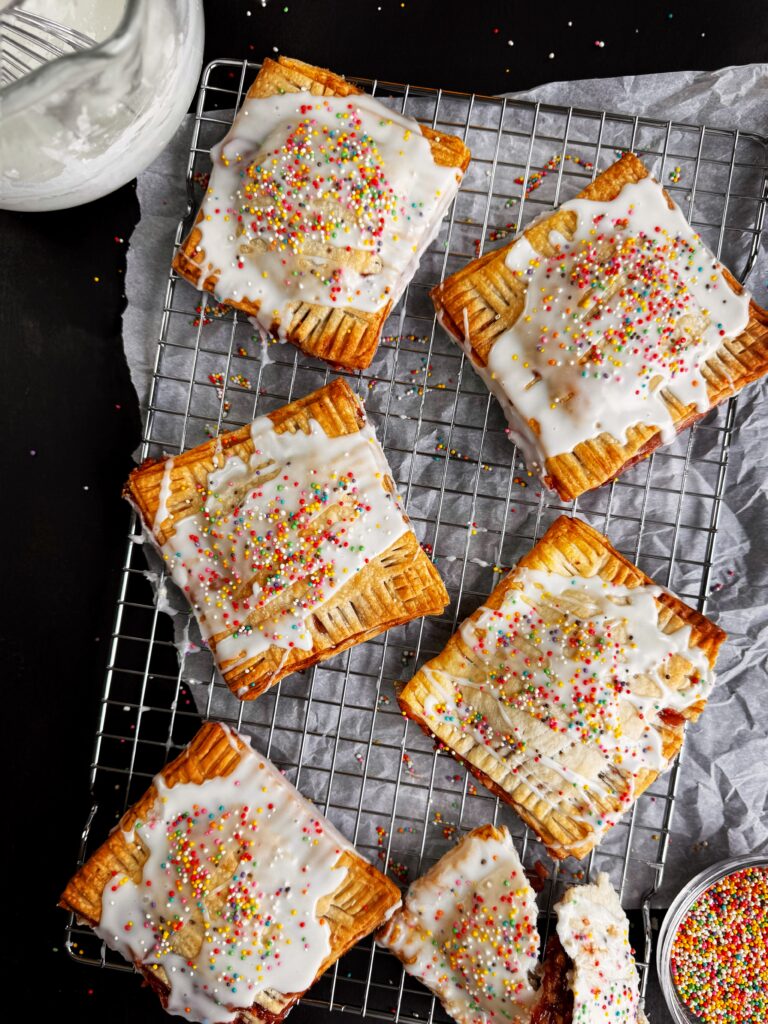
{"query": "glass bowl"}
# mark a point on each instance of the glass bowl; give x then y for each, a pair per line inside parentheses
(679, 909)
(84, 124)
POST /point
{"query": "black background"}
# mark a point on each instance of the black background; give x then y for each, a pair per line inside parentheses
(72, 419)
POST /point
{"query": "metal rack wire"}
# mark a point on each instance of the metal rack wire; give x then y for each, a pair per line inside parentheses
(336, 729)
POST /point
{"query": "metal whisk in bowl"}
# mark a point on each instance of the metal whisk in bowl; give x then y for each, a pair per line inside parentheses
(28, 40)
(85, 108)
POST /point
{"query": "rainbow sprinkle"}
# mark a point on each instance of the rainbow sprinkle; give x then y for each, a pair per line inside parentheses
(208, 312)
(536, 179)
(282, 547)
(341, 164)
(394, 339)
(647, 276)
(200, 840)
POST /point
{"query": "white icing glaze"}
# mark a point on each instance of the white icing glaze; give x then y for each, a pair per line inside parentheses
(567, 678)
(278, 536)
(631, 307)
(475, 561)
(218, 453)
(334, 199)
(518, 430)
(165, 494)
(467, 930)
(226, 905)
(594, 932)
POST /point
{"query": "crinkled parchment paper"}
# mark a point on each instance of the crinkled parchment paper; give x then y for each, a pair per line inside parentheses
(723, 785)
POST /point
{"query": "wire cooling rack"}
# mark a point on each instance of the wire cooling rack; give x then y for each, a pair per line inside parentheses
(336, 729)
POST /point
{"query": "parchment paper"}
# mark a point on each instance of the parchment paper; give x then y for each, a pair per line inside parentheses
(722, 806)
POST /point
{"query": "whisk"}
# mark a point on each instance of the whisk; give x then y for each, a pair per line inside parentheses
(29, 40)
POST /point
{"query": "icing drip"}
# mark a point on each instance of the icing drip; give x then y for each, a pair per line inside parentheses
(567, 687)
(226, 906)
(329, 201)
(277, 536)
(628, 309)
(165, 494)
(468, 932)
(594, 932)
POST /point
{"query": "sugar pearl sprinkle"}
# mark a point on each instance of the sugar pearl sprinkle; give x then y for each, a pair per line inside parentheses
(645, 274)
(536, 178)
(719, 956)
(487, 937)
(282, 548)
(310, 187)
(594, 932)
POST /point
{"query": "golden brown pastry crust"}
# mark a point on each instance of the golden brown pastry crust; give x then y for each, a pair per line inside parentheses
(344, 337)
(569, 547)
(399, 585)
(493, 297)
(360, 903)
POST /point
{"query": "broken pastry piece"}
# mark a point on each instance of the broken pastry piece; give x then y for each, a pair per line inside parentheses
(225, 888)
(604, 329)
(467, 930)
(320, 203)
(589, 974)
(568, 691)
(288, 539)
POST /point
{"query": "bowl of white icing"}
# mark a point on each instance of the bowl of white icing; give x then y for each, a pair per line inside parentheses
(80, 125)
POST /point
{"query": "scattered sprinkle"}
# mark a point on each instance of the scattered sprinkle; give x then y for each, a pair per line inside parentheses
(535, 180)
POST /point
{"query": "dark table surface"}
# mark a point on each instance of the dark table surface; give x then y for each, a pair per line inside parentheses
(72, 418)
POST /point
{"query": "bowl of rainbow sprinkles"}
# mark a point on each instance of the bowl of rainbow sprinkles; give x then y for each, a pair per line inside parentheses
(712, 953)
